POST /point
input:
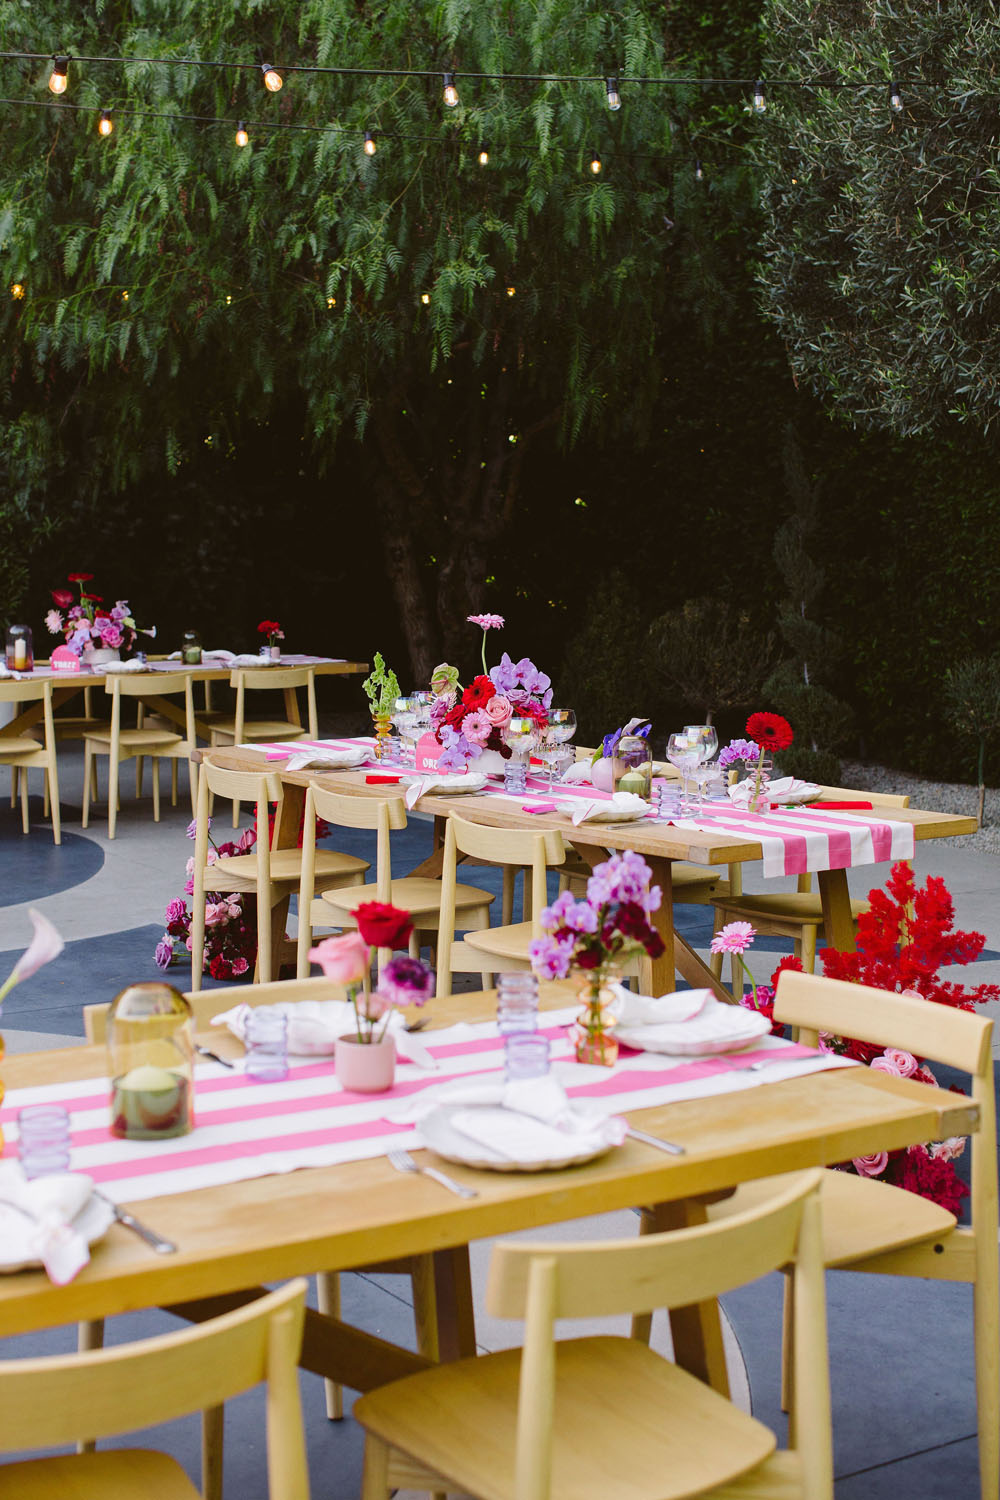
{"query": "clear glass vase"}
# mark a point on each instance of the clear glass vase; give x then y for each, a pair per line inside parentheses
(595, 1039)
(383, 737)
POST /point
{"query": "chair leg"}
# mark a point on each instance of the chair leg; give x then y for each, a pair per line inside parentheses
(89, 780)
(193, 787)
(787, 1353)
(211, 1452)
(139, 762)
(24, 800)
(52, 788)
(45, 795)
(89, 1335)
(156, 788)
(173, 782)
(236, 814)
(985, 1317)
(13, 786)
(375, 1474)
(328, 1301)
(114, 770)
(642, 1323)
(507, 897)
(809, 949)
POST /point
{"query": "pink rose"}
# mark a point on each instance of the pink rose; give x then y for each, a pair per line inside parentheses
(894, 1060)
(947, 1150)
(498, 710)
(376, 1006)
(216, 913)
(343, 959)
(871, 1166)
(240, 966)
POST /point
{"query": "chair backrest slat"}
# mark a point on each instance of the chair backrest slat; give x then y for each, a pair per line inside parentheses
(207, 1003)
(351, 811)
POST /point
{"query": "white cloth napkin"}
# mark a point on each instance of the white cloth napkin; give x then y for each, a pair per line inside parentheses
(42, 1221)
(6, 671)
(579, 774)
(249, 659)
(337, 760)
(622, 807)
(787, 790)
(419, 786)
(125, 666)
(527, 1120)
(646, 1010)
(315, 1025)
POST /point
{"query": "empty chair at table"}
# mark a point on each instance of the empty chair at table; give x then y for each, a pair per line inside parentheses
(24, 753)
(238, 728)
(120, 742)
(419, 895)
(601, 1417)
(57, 1400)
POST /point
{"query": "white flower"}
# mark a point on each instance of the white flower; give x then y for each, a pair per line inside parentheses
(44, 946)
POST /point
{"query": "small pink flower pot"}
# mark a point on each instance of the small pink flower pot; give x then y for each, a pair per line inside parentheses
(605, 773)
(365, 1067)
(275, 653)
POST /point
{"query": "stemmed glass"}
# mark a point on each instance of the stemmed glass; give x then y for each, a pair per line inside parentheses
(404, 722)
(521, 737)
(707, 741)
(559, 730)
(684, 754)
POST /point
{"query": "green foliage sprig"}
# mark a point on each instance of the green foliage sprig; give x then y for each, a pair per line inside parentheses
(381, 687)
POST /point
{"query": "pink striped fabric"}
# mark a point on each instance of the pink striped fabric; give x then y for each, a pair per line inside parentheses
(248, 1129)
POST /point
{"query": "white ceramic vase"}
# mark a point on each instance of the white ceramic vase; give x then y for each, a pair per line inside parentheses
(99, 656)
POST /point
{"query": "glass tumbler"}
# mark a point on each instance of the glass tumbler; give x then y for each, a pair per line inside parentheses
(526, 1055)
(266, 1040)
(517, 1003)
(43, 1137)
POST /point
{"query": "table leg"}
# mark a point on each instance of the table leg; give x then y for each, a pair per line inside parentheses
(658, 976)
(836, 898)
(696, 1330)
(453, 1294)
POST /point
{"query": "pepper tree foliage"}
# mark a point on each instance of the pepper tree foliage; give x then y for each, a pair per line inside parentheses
(178, 288)
(878, 260)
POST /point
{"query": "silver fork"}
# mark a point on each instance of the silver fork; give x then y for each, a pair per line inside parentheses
(403, 1162)
(129, 1221)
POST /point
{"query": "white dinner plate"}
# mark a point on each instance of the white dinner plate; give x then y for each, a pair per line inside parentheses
(441, 1136)
(724, 1028)
(450, 782)
(93, 1222)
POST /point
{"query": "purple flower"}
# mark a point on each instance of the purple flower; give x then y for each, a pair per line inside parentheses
(191, 831)
(406, 981)
(518, 680)
(110, 633)
(504, 676)
(164, 954)
(120, 612)
(551, 957)
(578, 916)
(458, 751)
(739, 750)
(624, 878)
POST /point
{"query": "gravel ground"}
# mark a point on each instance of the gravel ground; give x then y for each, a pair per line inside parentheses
(937, 796)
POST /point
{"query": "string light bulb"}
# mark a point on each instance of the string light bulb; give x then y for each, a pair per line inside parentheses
(614, 97)
(57, 78)
(331, 301)
(370, 146)
(425, 298)
(450, 91)
(758, 103)
(699, 171)
(17, 291)
(895, 99)
(484, 155)
(596, 164)
(511, 291)
(272, 78)
(242, 136)
(105, 124)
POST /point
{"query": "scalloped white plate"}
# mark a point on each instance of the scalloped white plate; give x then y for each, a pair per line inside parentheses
(726, 1028)
(93, 1222)
(440, 1135)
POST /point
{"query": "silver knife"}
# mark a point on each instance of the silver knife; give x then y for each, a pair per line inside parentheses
(156, 1241)
(671, 1147)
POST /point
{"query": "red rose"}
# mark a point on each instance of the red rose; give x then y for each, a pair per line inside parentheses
(478, 693)
(770, 731)
(382, 925)
(79, 577)
(62, 598)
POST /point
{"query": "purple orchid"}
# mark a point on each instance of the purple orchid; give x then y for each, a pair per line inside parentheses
(458, 751)
(551, 957)
(739, 750)
(164, 954)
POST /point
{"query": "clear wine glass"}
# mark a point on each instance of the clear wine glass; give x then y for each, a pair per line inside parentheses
(521, 737)
(404, 721)
(559, 730)
(684, 754)
(705, 737)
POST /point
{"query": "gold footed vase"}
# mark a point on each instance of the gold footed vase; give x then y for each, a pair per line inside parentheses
(595, 1039)
(383, 734)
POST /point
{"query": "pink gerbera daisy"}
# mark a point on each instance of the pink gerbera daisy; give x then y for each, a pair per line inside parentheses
(486, 622)
(735, 937)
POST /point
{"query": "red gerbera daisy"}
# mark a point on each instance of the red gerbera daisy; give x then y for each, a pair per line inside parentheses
(770, 731)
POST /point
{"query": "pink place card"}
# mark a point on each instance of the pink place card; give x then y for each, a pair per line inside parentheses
(428, 752)
(64, 660)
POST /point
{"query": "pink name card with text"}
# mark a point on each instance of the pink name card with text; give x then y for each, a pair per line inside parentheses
(64, 660)
(428, 752)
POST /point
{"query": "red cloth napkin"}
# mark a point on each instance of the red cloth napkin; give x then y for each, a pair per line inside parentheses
(834, 806)
(383, 780)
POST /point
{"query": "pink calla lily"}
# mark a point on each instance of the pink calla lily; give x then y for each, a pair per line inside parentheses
(44, 946)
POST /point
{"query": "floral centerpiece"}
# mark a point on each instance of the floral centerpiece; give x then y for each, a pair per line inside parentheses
(767, 733)
(365, 1058)
(598, 936)
(903, 939)
(468, 723)
(273, 631)
(86, 625)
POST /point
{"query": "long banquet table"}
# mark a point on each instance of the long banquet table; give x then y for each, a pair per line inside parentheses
(237, 1235)
(660, 843)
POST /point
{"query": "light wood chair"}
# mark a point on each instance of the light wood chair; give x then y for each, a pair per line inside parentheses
(79, 1397)
(591, 1418)
(24, 753)
(872, 1226)
(237, 729)
(492, 950)
(269, 874)
(335, 908)
(158, 742)
(791, 914)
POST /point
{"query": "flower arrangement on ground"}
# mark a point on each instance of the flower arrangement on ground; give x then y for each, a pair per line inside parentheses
(467, 722)
(347, 960)
(598, 936)
(903, 939)
(272, 630)
(86, 623)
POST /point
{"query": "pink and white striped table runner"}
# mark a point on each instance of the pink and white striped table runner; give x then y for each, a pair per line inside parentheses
(247, 1129)
(793, 841)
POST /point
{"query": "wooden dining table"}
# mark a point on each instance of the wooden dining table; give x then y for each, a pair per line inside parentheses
(661, 844)
(233, 1238)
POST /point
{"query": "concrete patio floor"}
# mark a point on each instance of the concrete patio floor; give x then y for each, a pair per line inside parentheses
(901, 1352)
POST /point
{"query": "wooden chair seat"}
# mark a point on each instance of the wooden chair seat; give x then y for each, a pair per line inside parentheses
(501, 942)
(144, 740)
(121, 1474)
(11, 747)
(861, 1216)
(286, 867)
(663, 1433)
(419, 896)
(224, 729)
(791, 907)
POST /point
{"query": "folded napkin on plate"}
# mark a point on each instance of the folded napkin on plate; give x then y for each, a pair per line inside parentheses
(6, 671)
(334, 760)
(250, 659)
(646, 1010)
(419, 786)
(786, 790)
(42, 1219)
(527, 1120)
(315, 1025)
(579, 773)
(125, 666)
(622, 807)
